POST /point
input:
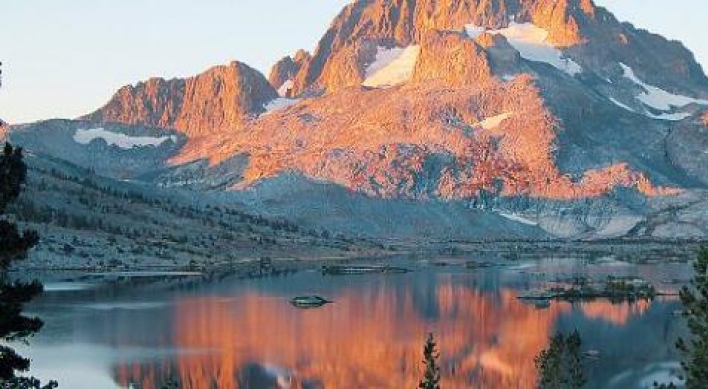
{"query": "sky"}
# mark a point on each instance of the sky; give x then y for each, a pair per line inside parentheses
(65, 58)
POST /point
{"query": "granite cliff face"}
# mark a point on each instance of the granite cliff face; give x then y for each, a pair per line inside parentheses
(590, 35)
(216, 100)
(550, 114)
(466, 65)
(284, 71)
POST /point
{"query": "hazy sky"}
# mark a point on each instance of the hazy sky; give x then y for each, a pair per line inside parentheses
(64, 58)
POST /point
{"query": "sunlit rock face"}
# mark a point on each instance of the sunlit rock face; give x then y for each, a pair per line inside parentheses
(424, 141)
(589, 33)
(408, 22)
(452, 59)
(282, 74)
(218, 99)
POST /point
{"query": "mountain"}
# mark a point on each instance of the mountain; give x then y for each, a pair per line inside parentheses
(285, 70)
(216, 100)
(589, 34)
(450, 118)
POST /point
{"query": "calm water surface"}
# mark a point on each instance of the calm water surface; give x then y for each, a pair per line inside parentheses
(230, 333)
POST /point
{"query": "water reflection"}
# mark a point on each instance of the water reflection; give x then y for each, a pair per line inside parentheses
(244, 334)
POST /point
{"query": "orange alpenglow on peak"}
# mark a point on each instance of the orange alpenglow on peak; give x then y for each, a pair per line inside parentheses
(408, 22)
(216, 100)
(283, 72)
(410, 81)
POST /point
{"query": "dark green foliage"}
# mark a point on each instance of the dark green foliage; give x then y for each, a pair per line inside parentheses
(574, 362)
(548, 364)
(695, 301)
(620, 290)
(14, 244)
(27, 383)
(431, 377)
(560, 365)
(12, 174)
(14, 326)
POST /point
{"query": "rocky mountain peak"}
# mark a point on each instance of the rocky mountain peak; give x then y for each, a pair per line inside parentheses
(221, 97)
(581, 31)
(283, 72)
(465, 61)
(404, 23)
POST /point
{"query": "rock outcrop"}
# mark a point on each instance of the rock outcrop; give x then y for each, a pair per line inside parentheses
(284, 71)
(393, 23)
(589, 34)
(219, 99)
(426, 140)
(503, 58)
(347, 67)
(452, 58)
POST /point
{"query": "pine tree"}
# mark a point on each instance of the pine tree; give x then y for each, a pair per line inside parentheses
(576, 376)
(549, 364)
(431, 377)
(14, 326)
(560, 366)
(695, 301)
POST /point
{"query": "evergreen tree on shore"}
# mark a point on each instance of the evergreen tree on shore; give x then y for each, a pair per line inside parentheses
(14, 326)
(431, 377)
(560, 366)
(695, 302)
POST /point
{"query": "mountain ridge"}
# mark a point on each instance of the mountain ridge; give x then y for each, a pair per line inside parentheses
(514, 107)
(214, 100)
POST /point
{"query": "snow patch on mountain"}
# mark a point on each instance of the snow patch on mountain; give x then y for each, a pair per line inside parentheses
(493, 122)
(285, 88)
(531, 42)
(393, 66)
(621, 105)
(674, 117)
(86, 136)
(658, 98)
(516, 218)
(279, 104)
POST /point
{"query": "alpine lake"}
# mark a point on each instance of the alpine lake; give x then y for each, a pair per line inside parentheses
(241, 329)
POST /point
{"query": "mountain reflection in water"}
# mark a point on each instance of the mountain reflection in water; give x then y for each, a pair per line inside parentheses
(245, 334)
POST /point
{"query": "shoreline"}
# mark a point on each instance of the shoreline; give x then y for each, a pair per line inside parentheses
(500, 250)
